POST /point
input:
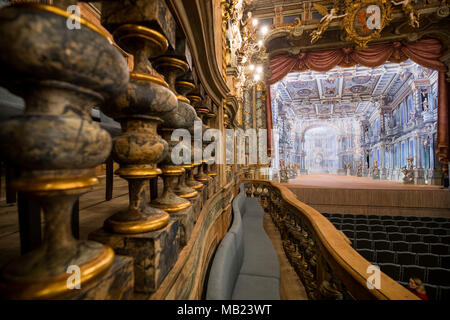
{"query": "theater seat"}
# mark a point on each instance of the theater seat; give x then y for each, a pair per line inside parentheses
(412, 237)
(406, 258)
(375, 228)
(362, 235)
(400, 246)
(381, 245)
(419, 247)
(418, 224)
(439, 248)
(424, 230)
(391, 269)
(348, 226)
(385, 256)
(432, 292)
(403, 223)
(445, 239)
(440, 232)
(363, 244)
(428, 260)
(349, 233)
(445, 225)
(429, 238)
(368, 254)
(391, 229)
(432, 224)
(445, 262)
(361, 227)
(396, 236)
(439, 276)
(444, 293)
(414, 272)
(407, 229)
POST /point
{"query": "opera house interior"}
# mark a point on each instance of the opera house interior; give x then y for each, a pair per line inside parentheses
(224, 150)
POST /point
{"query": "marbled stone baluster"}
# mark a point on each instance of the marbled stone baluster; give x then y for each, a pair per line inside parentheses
(182, 189)
(182, 117)
(196, 101)
(145, 29)
(61, 74)
(140, 148)
(201, 176)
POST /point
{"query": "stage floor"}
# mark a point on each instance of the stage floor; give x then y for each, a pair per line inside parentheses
(352, 182)
(361, 195)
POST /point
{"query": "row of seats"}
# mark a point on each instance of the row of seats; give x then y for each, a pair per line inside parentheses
(414, 247)
(415, 224)
(406, 258)
(436, 292)
(402, 273)
(403, 247)
(391, 229)
(397, 236)
(377, 217)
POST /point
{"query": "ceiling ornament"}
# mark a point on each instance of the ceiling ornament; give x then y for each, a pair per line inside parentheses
(325, 21)
(409, 10)
(366, 19)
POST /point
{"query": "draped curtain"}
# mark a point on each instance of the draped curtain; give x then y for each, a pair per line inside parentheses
(424, 52)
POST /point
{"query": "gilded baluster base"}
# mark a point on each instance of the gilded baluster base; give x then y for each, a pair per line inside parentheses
(191, 182)
(43, 273)
(139, 217)
(176, 206)
(182, 189)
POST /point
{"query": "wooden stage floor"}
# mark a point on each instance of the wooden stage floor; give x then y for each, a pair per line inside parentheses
(352, 182)
(362, 195)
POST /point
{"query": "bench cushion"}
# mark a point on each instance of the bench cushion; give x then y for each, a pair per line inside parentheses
(250, 287)
(224, 270)
(260, 257)
(237, 228)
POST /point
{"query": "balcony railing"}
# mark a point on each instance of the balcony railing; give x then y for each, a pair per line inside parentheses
(322, 257)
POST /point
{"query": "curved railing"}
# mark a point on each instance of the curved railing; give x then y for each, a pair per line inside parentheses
(320, 254)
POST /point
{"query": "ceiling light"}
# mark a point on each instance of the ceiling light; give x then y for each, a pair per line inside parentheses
(264, 30)
(252, 67)
(259, 69)
(255, 22)
(257, 77)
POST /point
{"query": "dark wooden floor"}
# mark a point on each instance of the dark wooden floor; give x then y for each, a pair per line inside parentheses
(94, 209)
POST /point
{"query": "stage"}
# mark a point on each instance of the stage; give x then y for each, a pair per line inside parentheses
(361, 195)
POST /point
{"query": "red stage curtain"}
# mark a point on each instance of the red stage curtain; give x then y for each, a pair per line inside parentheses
(425, 52)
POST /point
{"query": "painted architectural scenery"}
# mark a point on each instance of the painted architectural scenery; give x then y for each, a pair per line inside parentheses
(358, 121)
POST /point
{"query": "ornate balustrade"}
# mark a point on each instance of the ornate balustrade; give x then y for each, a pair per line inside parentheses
(320, 254)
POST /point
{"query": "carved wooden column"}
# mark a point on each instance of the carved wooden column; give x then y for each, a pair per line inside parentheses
(61, 74)
(202, 176)
(196, 101)
(144, 29)
(189, 189)
(182, 117)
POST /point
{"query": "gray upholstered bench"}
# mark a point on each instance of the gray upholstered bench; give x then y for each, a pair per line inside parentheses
(245, 265)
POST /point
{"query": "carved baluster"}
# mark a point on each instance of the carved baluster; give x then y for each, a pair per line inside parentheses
(61, 74)
(201, 176)
(145, 29)
(140, 148)
(182, 117)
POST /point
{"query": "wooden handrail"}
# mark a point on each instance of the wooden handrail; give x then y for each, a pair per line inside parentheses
(337, 266)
